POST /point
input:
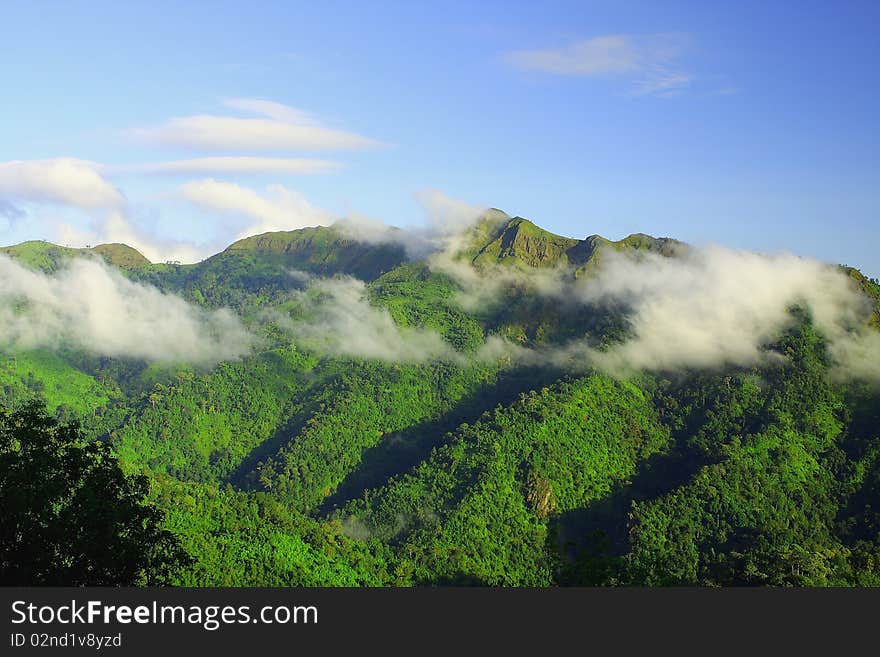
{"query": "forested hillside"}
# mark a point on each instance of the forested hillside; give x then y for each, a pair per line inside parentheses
(511, 407)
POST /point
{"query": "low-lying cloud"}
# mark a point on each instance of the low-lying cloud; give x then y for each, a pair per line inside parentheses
(713, 307)
(337, 318)
(89, 306)
(704, 308)
(446, 222)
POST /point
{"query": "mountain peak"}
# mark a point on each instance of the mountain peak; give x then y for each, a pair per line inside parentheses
(48, 257)
(120, 255)
(520, 242)
(322, 250)
(516, 241)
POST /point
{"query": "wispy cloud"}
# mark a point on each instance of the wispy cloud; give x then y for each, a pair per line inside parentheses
(115, 226)
(276, 128)
(10, 212)
(447, 221)
(271, 109)
(228, 165)
(448, 216)
(278, 208)
(729, 90)
(650, 63)
(662, 82)
(340, 320)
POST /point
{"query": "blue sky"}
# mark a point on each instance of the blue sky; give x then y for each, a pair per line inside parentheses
(752, 125)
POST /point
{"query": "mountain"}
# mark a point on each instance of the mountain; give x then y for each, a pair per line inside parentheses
(397, 423)
(48, 257)
(870, 288)
(517, 242)
(323, 250)
(327, 250)
(264, 267)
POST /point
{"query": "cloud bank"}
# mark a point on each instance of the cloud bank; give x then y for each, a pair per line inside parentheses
(92, 307)
(716, 306)
(704, 309)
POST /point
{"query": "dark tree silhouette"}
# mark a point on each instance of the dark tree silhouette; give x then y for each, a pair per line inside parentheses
(69, 516)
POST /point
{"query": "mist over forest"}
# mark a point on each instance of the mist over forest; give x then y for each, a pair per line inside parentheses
(478, 401)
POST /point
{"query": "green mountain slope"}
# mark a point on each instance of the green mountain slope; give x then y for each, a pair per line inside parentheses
(518, 242)
(262, 269)
(299, 466)
(323, 250)
(48, 257)
(227, 412)
(478, 509)
(66, 389)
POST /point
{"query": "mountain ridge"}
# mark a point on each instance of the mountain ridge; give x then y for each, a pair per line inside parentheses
(521, 242)
(496, 237)
(48, 256)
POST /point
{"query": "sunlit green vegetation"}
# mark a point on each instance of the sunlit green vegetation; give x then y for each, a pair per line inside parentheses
(296, 467)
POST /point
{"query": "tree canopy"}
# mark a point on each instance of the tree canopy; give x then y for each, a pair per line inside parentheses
(68, 513)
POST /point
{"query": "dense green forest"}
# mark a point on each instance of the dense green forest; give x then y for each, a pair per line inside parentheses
(397, 422)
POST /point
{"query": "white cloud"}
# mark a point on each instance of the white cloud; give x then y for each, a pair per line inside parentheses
(90, 306)
(228, 165)
(115, 227)
(363, 228)
(663, 83)
(340, 320)
(447, 219)
(271, 109)
(448, 216)
(64, 181)
(279, 208)
(715, 306)
(280, 128)
(597, 56)
(650, 62)
(703, 308)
